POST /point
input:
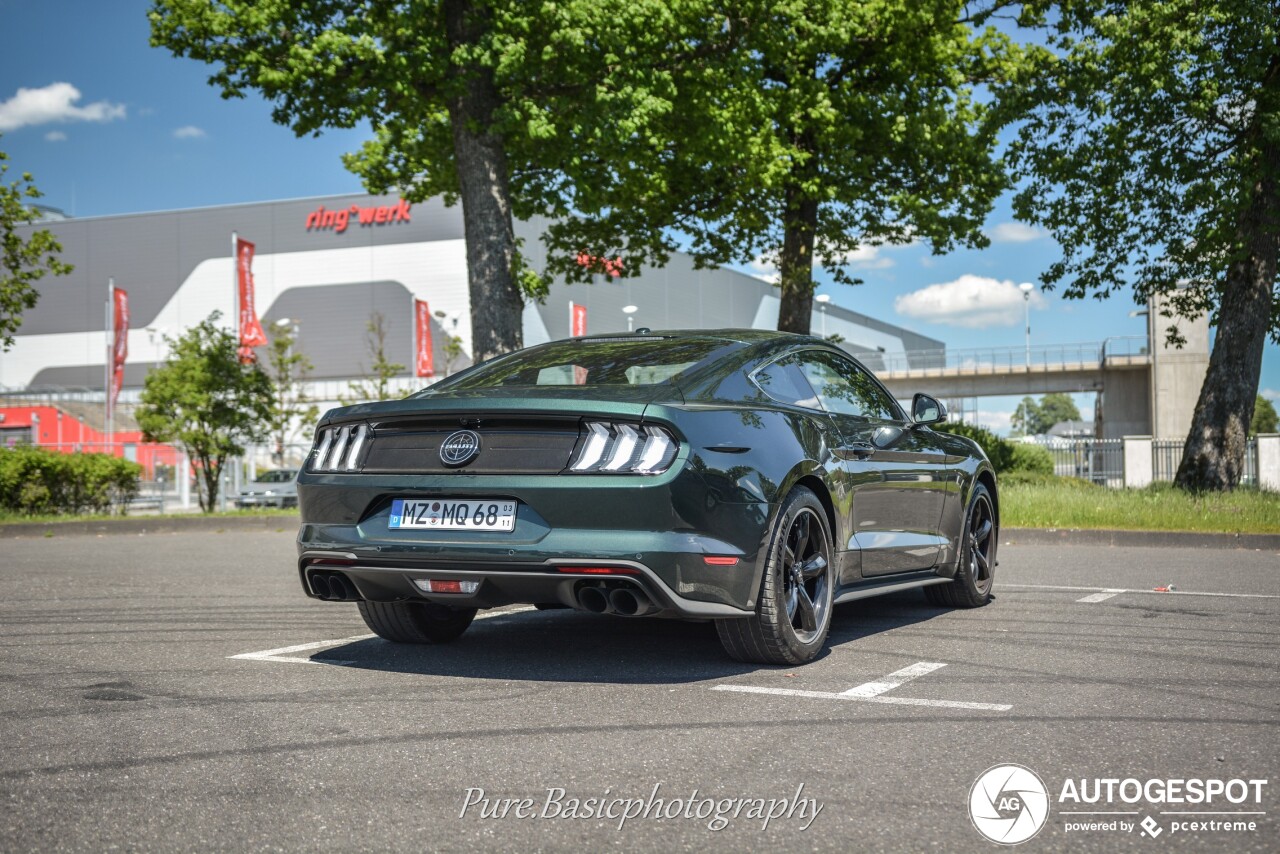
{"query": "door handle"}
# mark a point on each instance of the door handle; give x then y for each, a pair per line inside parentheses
(861, 449)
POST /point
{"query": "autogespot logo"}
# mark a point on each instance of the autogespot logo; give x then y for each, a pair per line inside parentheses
(1009, 804)
(460, 448)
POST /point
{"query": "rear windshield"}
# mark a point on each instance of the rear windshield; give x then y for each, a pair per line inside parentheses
(612, 362)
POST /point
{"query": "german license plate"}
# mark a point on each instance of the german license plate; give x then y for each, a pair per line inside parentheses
(451, 514)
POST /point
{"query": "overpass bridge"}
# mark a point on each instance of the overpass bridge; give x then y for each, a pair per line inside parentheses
(1143, 390)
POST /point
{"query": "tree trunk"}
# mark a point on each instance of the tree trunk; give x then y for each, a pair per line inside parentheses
(1213, 458)
(497, 306)
(796, 263)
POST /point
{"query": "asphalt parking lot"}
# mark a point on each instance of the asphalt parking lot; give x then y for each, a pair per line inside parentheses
(177, 692)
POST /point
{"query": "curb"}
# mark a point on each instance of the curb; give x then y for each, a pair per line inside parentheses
(145, 525)
(1149, 539)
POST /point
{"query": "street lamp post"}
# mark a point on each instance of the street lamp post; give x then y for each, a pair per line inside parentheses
(629, 311)
(822, 300)
(1027, 288)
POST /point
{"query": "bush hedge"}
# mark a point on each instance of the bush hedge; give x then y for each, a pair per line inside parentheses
(34, 481)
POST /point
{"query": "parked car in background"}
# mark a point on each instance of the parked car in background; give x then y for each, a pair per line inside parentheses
(271, 488)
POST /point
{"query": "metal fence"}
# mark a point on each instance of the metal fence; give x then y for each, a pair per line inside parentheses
(1167, 456)
(1100, 461)
(999, 360)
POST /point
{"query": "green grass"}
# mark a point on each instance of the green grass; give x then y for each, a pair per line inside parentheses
(17, 518)
(1043, 502)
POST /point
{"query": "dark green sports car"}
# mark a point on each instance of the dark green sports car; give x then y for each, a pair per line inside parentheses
(751, 478)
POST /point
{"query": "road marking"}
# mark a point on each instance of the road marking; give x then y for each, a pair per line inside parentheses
(1100, 597)
(872, 692)
(283, 654)
(1147, 592)
(893, 680)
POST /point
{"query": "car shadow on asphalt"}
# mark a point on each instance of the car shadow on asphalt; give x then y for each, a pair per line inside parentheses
(571, 646)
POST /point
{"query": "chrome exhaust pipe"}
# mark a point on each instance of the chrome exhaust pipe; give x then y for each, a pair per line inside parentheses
(630, 603)
(339, 588)
(320, 585)
(592, 599)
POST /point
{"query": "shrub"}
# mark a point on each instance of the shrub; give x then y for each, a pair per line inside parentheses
(1030, 458)
(34, 481)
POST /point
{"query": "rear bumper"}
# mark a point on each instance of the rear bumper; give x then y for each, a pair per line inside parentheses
(558, 581)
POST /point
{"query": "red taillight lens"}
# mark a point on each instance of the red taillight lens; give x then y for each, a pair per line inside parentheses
(717, 560)
(598, 570)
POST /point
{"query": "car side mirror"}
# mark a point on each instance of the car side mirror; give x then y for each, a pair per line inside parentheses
(927, 410)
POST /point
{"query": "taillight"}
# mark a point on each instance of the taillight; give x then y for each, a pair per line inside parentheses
(338, 448)
(625, 449)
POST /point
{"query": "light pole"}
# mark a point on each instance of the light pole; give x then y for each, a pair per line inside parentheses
(822, 300)
(629, 311)
(1027, 288)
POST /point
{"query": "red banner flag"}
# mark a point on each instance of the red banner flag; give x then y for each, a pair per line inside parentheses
(120, 342)
(578, 328)
(424, 361)
(250, 330)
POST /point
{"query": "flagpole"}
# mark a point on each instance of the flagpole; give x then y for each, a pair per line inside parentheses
(235, 288)
(106, 368)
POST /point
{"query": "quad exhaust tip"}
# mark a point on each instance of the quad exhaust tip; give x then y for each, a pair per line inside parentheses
(624, 601)
(332, 587)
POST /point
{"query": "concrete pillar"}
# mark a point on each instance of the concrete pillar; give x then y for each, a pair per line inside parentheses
(1269, 462)
(1138, 463)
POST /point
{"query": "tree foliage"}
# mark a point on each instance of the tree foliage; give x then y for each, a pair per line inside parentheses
(1033, 418)
(1151, 150)
(292, 409)
(204, 400)
(25, 260)
(789, 132)
(376, 386)
(1264, 417)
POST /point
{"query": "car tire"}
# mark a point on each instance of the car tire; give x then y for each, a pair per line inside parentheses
(415, 622)
(793, 614)
(976, 568)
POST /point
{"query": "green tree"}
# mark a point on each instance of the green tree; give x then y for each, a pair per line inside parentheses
(378, 385)
(1264, 417)
(292, 409)
(1026, 419)
(459, 94)
(26, 259)
(452, 351)
(797, 130)
(204, 400)
(1054, 409)
(1151, 150)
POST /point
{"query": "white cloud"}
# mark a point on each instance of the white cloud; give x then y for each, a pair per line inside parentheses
(1014, 232)
(54, 103)
(1270, 394)
(189, 132)
(971, 301)
(866, 258)
(765, 268)
(55, 136)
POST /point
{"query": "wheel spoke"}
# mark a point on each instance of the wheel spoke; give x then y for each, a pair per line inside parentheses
(788, 555)
(813, 567)
(808, 619)
(984, 531)
(984, 564)
(802, 534)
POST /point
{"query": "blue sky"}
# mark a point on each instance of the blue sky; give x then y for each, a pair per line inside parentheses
(132, 128)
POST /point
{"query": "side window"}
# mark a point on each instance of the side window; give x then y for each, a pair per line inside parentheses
(846, 389)
(785, 382)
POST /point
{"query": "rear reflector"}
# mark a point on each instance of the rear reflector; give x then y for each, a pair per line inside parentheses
(713, 560)
(599, 570)
(441, 585)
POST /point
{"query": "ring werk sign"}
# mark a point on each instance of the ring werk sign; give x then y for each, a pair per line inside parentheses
(323, 219)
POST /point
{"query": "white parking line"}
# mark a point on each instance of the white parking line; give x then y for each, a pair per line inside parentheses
(1146, 592)
(283, 653)
(1100, 597)
(893, 680)
(872, 692)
